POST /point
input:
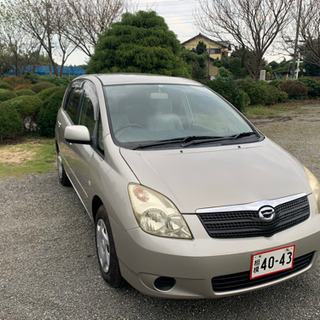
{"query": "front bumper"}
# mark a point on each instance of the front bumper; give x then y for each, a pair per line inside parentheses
(194, 263)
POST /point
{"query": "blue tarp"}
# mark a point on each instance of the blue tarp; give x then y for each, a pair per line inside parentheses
(67, 71)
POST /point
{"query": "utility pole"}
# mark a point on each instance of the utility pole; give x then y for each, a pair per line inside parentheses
(293, 70)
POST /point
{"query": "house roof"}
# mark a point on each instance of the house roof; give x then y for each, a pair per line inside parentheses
(223, 44)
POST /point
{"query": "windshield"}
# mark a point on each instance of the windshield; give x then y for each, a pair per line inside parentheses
(150, 115)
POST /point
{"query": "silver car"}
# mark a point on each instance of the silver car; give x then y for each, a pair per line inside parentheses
(188, 198)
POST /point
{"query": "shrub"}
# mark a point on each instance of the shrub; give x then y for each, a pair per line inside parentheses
(275, 82)
(15, 81)
(313, 86)
(22, 87)
(294, 89)
(57, 81)
(7, 95)
(230, 91)
(33, 77)
(254, 90)
(11, 124)
(41, 86)
(274, 95)
(5, 85)
(262, 93)
(25, 92)
(46, 93)
(48, 113)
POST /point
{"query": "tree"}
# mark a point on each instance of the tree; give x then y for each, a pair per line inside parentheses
(197, 63)
(88, 19)
(43, 20)
(252, 24)
(310, 31)
(140, 43)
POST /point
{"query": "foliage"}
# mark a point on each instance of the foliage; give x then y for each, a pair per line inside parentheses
(25, 92)
(197, 64)
(46, 93)
(15, 81)
(48, 113)
(57, 81)
(294, 89)
(5, 85)
(41, 86)
(33, 77)
(276, 82)
(313, 86)
(22, 86)
(262, 93)
(27, 106)
(230, 91)
(140, 43)
(201, 48)
(7, 95)
(11, 124)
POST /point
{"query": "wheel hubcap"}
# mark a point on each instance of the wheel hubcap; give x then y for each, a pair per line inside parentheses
(103, 246)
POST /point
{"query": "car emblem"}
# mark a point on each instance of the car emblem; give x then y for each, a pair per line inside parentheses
(267, 213)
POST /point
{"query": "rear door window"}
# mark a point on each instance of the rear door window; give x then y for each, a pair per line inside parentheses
(73, 103)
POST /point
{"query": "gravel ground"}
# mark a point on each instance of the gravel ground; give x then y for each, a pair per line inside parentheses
(48, 262)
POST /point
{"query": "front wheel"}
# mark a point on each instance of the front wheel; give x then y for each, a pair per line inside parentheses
(63, 178)
(107, 257)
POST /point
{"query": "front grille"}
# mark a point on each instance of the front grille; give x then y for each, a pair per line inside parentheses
(238, 281)
(244, 224)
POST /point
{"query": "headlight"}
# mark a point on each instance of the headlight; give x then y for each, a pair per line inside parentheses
(315, 186)
(156, 214)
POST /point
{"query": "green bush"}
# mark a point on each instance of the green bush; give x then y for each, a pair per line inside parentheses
(41, 86)
(5, 85)
(262, 93)
(313, 86)
(7, 95)
(11, 124)
(46, 93)
(48, 113)
(57, 81)
(230, 91)
(275, 82)
(27, 106)
(33, 77)
(294, 89)
(25, 92)
(15, 81)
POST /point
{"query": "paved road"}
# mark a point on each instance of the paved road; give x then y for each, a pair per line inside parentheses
(48, 267)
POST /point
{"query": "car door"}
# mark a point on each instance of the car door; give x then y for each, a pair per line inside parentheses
(81, 109)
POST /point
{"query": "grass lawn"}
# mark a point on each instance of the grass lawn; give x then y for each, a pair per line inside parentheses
(33, 155)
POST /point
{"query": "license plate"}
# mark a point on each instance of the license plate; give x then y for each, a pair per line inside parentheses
(272, 261)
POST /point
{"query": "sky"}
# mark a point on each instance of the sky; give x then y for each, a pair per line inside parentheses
(178, 15)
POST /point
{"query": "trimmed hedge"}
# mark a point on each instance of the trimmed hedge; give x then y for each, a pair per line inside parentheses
(15, 81)
(41, 86)
(5, 85)
(46, 93)
(313, 86)
(294, 89)
(230, 91)
(7, 95)
(11, 124)
(25, 92)
(48, 113)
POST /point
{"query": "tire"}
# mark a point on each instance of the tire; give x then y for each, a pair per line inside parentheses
(106, 252)
(63, 178)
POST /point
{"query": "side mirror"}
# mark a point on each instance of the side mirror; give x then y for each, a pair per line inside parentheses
(77, 134)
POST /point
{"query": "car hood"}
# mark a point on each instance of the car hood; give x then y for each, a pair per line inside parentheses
(196, 178)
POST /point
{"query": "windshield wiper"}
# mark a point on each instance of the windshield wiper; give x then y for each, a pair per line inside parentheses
(191, 140)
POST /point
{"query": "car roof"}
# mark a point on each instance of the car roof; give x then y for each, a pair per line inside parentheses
(128, 78)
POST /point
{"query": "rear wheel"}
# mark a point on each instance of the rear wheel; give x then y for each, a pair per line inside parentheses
(107, 257)
(63, 178)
